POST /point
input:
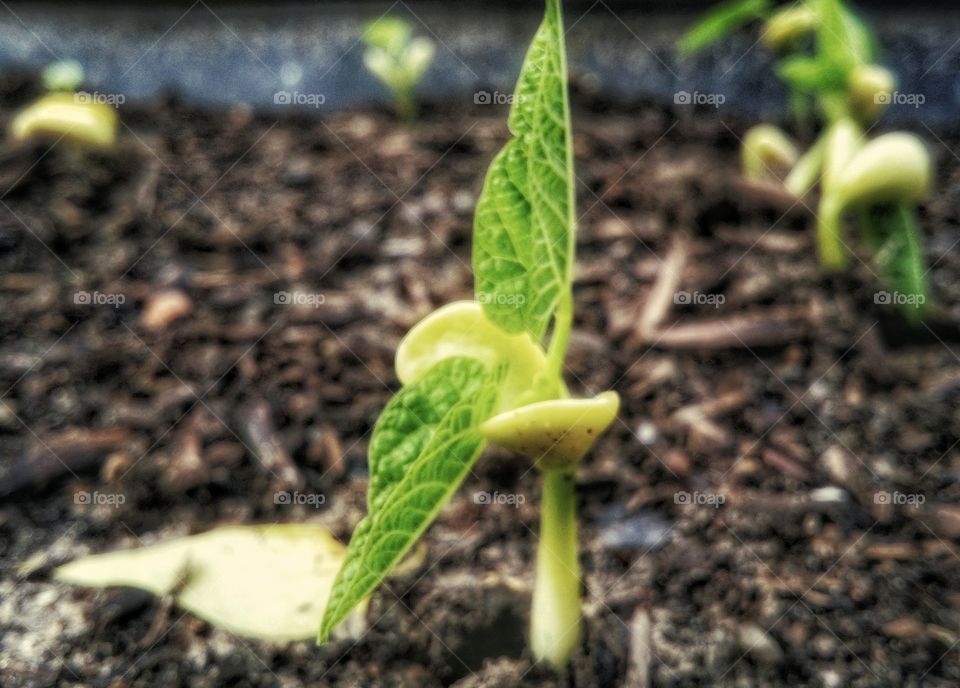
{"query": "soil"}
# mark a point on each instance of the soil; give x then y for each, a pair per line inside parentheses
(777, 505)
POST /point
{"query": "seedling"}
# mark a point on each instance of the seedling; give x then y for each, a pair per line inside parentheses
(64, 113)
(476, 372)
(398, 59)
(828, 62)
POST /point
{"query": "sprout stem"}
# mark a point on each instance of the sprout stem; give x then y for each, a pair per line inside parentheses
(406, 105)
(555, 623)
(560, 338)
(829, 245)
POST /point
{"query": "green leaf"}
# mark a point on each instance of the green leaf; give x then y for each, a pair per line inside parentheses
(423, 446)
(524, 223)
(892, 234)
(861, 43)
(811, 74)
(382, 65)
(417, 58)
(412, 418)
(268, 582)
(391, 34)
(843, 39)
(721, 21)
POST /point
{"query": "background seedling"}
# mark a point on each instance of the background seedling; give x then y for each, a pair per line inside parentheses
(476, 372)
(65, 113)
(827, 60)
(398, 59)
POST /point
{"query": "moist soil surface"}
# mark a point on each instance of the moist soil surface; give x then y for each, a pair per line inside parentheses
(776, 506)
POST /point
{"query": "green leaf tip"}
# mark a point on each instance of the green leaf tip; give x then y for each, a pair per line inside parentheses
(721, 21)
(524, 223)
(422, 448)
(388, 33)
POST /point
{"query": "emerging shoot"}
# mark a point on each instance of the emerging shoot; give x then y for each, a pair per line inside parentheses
(398, 60)
(485, 371)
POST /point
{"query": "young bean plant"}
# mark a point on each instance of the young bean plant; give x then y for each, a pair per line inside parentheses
(398, 60)
(827, 59)
(65, 113)
(477, 372)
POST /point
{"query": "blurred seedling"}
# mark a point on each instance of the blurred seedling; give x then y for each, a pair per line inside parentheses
(827, 58)
(484, 371)
(66, 113)
(398, 59)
